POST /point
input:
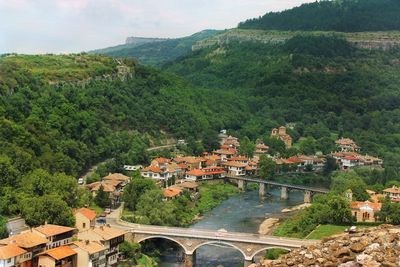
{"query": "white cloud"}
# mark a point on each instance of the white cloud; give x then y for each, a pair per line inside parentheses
(38, 26)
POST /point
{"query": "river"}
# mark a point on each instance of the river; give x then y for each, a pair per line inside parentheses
(240, 213)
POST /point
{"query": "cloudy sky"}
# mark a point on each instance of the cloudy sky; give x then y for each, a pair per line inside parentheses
(59, 26)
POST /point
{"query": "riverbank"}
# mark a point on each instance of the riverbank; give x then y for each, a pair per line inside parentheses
(270, 224)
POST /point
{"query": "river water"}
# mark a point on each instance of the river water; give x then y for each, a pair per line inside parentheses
(240, 213)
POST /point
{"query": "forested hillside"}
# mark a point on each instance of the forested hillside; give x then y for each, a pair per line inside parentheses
(70, 126)
(325, 85)
(335, 15)
(157, 53)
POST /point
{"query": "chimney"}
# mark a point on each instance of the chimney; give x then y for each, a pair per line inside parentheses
(108, 225)
(87, 242)
(101, 227)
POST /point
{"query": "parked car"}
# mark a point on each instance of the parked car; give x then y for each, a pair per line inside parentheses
(81, 181)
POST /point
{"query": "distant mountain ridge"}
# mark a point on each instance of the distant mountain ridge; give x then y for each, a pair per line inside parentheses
(337, 15)
(143, 40)
(155, 51)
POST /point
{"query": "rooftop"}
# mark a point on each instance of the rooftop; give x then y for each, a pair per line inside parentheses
(25, 240)
(52, 229)
(366, 204)
(90, 246)
(117, 177)
(171, 192)
(59, 252)
(394, 190)
(10, 251)
(107, 232)
(88, 213)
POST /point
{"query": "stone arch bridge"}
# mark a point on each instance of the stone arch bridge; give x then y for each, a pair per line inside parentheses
(249, 245)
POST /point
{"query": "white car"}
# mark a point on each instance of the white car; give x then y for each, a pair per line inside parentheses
(80, 181)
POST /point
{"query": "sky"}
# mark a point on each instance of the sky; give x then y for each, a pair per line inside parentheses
(66, 26)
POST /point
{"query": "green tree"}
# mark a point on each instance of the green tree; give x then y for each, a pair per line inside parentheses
(276, 145)
(3, 228)
(330, 166)
(247, 147)
(49, 208)
(308, 146)
(137, 187)
(266, 168)
(342, 181)
(130, 251)
(151, 209)
(102, 198)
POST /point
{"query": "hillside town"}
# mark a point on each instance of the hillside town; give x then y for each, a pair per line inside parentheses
(92, 242)
(59, 246)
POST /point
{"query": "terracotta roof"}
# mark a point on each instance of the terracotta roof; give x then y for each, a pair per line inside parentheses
(107, 187)
(235, 164)
(239, 158)
(196, 172)
(162, 160)
(394, 190)
(374, 206)
(59, 252)
(25, 240)
(52, 229)
(262, 146)
(107, 232)
(171, 192)
(152, 168)
(91, 247)
(10, 251)
(370, 192)
(88, 213)
(345, 141)
(213, 157)
(350, 158)
(183, 165)
(295, 160)
(188, 185)
(117, 177)
(230, 151)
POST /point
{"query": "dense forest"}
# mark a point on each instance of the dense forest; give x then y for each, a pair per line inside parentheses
(335, 15)
(323, 84)
(157, 53)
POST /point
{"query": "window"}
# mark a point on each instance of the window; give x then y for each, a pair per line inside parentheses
(83, 225)
(9, 260)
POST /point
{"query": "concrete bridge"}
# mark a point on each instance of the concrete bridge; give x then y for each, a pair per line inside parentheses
(285, 188)
(249, 245)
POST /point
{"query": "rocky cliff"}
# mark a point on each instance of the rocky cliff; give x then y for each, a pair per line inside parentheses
(373, 247)
(143, 40)
(368, 40)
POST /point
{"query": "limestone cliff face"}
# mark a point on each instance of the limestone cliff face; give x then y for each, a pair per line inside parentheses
(374, 247)
(366, 40)
(142, 40)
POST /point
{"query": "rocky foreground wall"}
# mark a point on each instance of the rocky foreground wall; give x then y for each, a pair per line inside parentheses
(373, 247)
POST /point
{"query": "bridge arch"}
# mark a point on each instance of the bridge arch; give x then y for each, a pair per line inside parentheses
(162, 237)
(217, 242)
(268, 248)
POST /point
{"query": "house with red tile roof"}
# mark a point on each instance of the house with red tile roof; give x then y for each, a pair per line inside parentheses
(365, 211)
(235, 168)
(205, 173)
(172, 192)
(84, 218)
(109, 237)
(393, 193)
(261, 149)
(225, 153)
(59, 257)
(12, 255)
(29, 241)
(56, 235)
(90, 253)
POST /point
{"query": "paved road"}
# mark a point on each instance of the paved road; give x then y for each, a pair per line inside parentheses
(298, 187)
